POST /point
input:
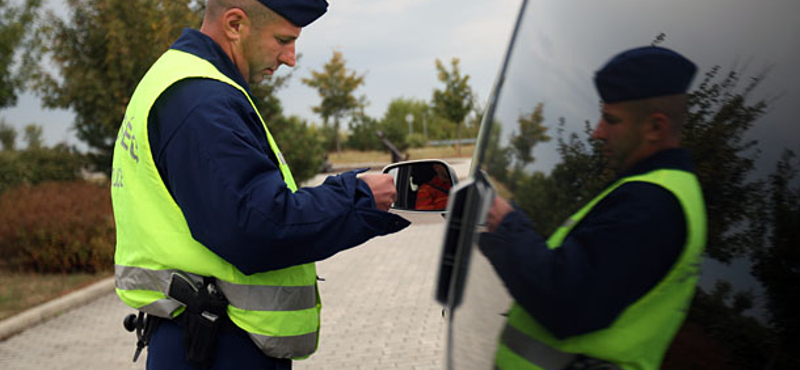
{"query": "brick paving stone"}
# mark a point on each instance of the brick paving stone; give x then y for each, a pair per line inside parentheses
(90, 337)
(379, 299)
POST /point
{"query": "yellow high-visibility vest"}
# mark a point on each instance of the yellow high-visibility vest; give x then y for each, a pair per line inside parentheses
(640, 336)
(279, 309)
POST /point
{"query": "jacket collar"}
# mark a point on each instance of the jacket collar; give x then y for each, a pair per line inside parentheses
(195, 42)
(677, 159)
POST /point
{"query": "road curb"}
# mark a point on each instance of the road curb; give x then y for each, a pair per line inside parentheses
(36, 315)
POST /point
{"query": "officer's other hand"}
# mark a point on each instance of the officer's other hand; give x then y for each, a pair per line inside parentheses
(383, 190)
(499, 209)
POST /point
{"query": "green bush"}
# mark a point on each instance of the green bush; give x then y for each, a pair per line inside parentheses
(396, 132)
(362, 134)
(329, 135)
(416, 140)
(37, 165)
(301, 145)
(57, 227)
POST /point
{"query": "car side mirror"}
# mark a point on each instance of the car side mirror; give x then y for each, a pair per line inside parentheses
(422, 185)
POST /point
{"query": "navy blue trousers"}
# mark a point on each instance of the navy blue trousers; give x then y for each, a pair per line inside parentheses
(234, 351)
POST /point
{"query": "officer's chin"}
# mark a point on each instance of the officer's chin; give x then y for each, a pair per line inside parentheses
(257, 79)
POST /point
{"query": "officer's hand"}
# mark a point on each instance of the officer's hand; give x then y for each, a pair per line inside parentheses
(499, 209)
(383, 190)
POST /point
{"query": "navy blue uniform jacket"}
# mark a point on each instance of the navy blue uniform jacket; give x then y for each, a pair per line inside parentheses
(623, 247)
(212, 153)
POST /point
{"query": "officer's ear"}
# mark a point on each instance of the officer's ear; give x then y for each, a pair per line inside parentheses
(235, 24)
(658, 127)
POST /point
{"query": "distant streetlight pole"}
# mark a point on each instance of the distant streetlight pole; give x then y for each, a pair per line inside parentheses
(410, 120)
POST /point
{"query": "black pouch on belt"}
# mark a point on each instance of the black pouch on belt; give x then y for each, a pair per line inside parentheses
(206, 312)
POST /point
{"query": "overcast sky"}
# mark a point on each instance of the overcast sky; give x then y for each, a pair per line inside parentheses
(563, 42)
(394, 42)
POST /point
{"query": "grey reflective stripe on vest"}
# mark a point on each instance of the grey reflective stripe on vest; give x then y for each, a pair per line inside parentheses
(137, 278)
(134, 278)
(286, 347)
(535, 351)
(245, 297)
(162, 308)
(546, 357)
(269, 298)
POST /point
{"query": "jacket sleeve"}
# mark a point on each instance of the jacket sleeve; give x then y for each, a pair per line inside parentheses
(216, 163)
(613, 257)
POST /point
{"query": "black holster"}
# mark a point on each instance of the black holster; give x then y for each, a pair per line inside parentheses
(206, 312)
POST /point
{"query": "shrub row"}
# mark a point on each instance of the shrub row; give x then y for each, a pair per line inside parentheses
(57, 227)
(33, 166)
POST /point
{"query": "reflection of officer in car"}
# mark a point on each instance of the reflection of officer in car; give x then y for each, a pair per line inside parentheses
(434, 187)
(612, 285)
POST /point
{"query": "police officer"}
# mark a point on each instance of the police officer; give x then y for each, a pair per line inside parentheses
(610, 288)
(213, 235)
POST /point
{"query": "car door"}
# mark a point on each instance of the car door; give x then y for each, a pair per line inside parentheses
(534, 148)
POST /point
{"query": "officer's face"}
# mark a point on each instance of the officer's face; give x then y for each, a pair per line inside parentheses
(622, 134)
(265, 48)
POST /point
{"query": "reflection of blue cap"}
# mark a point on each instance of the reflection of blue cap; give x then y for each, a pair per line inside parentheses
(642, 73)
(300, 12)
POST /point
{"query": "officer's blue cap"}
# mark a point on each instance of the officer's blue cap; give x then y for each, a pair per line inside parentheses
(642, 73)
(300, 12)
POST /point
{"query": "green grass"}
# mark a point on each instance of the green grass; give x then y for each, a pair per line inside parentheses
(20, 291)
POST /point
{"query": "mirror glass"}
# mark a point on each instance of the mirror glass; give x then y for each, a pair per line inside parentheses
(744, 142)
(422, 185)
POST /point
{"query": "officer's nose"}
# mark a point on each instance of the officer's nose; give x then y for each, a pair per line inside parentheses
(288, 57)
(599, 132)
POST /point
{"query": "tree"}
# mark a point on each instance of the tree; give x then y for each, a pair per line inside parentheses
(13, 24)
(335, 84)
(362, 133)
(531, 132)
(101, 53)
(777, 261)
(33, 136)
(8, 136)
(719, 117)
(455, 101)
(579, 177)
(497, 158)
(395, 122)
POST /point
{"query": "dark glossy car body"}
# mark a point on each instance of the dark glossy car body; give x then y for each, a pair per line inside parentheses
(743, 135)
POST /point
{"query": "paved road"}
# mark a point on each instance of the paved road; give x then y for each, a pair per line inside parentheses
(378, 313)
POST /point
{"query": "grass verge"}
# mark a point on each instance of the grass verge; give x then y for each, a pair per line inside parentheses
(23, 290)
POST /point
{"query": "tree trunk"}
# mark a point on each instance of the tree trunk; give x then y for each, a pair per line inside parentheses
(336, 135)
(458, 139)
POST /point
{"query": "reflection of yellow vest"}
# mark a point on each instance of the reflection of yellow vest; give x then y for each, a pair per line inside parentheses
(279, 309)
(640, 336)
